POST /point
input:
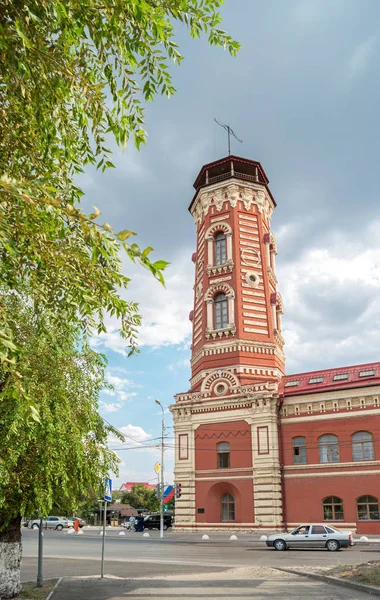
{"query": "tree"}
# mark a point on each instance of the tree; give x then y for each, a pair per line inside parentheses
(142, 497)
(73, 73)
(57, 456)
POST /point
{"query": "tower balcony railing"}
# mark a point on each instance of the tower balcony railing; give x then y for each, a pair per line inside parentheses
(223, 176)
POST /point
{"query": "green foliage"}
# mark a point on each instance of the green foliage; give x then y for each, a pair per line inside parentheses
(142, 497)
(73, 73)
(57, 458)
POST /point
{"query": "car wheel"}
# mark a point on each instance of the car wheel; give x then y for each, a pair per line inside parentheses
(279, 545)
(165, 527)
(59, 527)
(333, 545)
(34, 526)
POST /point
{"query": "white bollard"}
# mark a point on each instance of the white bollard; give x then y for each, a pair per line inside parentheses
(71, 530)
(363, 538)
(263, 538)
(146, 534)
(80, 532)
(205, 537)
(101, 533)
(121, 532)
(233, 538)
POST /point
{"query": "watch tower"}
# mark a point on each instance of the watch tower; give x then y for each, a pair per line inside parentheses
(226, 425)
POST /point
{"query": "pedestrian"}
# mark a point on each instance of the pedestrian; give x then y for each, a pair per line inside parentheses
(140, 523)
(131, 522)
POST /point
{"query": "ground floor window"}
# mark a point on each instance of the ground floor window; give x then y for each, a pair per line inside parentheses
(333, 509)
(368, 508)
(228, 508)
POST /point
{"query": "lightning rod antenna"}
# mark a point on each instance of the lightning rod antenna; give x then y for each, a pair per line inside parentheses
(229, 133)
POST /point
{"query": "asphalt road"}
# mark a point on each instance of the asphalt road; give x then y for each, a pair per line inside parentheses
(134, 556)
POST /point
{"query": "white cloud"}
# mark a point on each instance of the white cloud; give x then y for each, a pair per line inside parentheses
(164, 310)
(109, 407)
(183, 363)
(361, 57)
(332, 304)
(133, 436)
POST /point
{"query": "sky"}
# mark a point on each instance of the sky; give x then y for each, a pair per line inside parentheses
(303, 94)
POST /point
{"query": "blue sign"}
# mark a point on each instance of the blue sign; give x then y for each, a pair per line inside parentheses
(108, 490)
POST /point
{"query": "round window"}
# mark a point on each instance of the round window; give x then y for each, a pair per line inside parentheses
(252, 279)
(221, 388)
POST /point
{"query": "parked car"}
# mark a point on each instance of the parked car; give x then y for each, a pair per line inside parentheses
(314, 535)
(81, 523)
(153, 521)
(51, 523)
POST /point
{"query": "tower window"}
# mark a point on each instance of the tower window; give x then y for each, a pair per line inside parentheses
(228, 508)
(223, 450)
(220, 248)
(220, 311)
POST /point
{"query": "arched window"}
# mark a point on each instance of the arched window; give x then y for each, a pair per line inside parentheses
(228, 508)
(362, 446)
(220, 311)
(328, 449)
(368, 508)
(333, 509)
(220, 252)
(299, 451)
(223, 450)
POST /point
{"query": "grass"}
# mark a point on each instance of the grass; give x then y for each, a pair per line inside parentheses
(367, 573)
(31, 592)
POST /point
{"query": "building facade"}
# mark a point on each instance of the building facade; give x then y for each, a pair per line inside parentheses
(254, 448)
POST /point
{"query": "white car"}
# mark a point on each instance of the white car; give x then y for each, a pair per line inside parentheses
(311, 535)
(51, 523)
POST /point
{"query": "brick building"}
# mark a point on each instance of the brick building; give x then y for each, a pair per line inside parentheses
(256, 449)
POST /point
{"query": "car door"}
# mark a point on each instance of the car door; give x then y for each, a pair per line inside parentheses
(299, 538)
(52, 522)
(318, 536)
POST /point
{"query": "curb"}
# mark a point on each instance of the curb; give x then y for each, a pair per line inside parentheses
(375, 591)
(56, 585)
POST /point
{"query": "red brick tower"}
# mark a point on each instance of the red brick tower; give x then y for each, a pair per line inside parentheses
(227, 453)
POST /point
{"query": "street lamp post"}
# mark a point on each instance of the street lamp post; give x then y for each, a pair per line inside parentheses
(162, 471)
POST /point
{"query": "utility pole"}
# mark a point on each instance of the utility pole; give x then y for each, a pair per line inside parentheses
(103, 538)
(40, 577)
(162, 471)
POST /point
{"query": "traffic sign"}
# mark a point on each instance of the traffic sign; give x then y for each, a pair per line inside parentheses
(157, 467)
(108, 490)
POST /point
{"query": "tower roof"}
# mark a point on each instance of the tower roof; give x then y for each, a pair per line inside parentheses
(231, 166)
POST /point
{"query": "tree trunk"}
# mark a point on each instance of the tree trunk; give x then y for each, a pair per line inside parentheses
(10, 559)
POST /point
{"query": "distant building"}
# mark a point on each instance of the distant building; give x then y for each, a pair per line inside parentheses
(256, 449)
(127, 487)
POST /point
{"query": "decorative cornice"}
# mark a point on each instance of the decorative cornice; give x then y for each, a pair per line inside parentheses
(232, 191)
(272, 277)
(239, 345)
(230, 330)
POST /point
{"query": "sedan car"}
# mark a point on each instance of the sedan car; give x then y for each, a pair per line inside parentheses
(311, 535)
(51, 523)
(81, 522)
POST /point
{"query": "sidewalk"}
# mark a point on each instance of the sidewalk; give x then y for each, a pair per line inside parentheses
(255, 583)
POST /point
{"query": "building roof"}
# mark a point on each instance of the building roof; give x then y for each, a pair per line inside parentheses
(127, 487)
(219, 170)
(355, 376)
